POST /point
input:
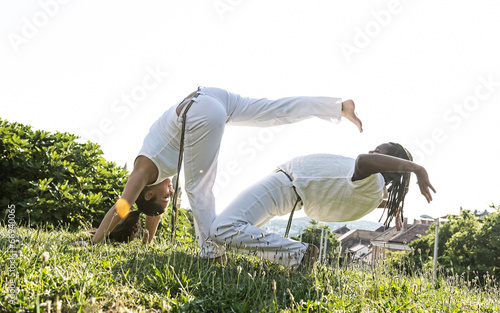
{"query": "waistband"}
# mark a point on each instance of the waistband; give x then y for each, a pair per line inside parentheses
(279, 170)
(282, 171)
(188, 99)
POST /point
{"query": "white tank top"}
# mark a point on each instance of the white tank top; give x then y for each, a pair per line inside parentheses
(323, 182)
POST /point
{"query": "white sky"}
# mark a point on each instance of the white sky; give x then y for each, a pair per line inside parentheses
(417, 70)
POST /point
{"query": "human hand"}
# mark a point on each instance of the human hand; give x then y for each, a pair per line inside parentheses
(424, 184)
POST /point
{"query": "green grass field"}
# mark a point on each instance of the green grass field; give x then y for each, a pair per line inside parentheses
(161, 278)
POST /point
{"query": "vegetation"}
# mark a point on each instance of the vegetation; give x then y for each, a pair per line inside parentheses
(55, 189)
(162, 278)
(54, 180)
(467, 245)
(312, 234)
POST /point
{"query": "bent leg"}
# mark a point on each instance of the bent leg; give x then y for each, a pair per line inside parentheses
(204, 128)
(238, 225)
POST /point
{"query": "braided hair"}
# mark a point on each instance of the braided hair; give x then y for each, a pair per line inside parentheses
(128, 229)
(399, 185)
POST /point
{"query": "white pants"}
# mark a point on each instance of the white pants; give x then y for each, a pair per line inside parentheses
(238, 225)
(205, 124)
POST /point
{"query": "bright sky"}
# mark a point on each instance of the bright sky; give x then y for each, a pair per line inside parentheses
(425, 74)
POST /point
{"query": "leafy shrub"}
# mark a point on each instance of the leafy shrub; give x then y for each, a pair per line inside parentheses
(409, 263)
(312, 234)
(52, 179)
(185, 233)
(487, 249)
(467, 245)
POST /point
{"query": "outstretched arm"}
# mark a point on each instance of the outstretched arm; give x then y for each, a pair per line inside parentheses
(144, 171)
(368, 164)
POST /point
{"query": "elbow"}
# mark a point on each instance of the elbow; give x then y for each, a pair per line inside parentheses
(363, 157)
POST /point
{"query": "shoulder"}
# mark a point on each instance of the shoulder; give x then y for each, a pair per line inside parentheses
(360, 167)
(145, 167)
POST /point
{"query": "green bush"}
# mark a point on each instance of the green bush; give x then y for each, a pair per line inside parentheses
(185, 233)
(487, 252)
(312, 234)
(467, 246)
(53, 180)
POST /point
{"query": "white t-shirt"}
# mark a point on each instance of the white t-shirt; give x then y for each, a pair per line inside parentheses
(323, 182)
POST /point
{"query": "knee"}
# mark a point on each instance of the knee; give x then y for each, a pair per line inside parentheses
(220, 232)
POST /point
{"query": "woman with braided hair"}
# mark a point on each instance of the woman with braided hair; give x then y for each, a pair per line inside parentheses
(331, 188)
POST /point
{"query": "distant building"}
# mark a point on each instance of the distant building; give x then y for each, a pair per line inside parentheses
(360, 252)
(481, 215)
(478, 214)
(394, 240)
(355, 244)
(381, 229)
(342, 230)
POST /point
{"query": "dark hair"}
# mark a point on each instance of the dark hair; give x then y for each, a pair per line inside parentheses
(399, 184)
(148, 207)
(128, 229)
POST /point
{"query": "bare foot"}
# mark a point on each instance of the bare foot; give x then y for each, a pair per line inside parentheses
(348, 112)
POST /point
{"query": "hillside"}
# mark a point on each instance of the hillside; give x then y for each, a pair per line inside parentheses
(47, 270)
(279, 225)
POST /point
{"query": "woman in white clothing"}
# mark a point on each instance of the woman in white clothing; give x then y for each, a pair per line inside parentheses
(209, 111)
(331, 188)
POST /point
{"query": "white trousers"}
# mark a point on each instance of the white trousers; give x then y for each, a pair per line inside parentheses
(238, 225)
(205, 123)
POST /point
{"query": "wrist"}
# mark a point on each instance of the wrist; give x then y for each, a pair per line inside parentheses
(419, 170)
(94, 241)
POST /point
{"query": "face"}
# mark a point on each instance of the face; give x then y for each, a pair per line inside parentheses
(163, 192)
(382, 149)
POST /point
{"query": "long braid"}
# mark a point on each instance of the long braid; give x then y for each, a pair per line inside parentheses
(399, 185)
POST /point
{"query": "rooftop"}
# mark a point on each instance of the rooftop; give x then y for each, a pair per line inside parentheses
(407, 235)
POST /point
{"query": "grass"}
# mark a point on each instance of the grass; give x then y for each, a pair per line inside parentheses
(163, 278)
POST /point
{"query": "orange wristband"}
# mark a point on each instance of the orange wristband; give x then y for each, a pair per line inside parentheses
(122, 207)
